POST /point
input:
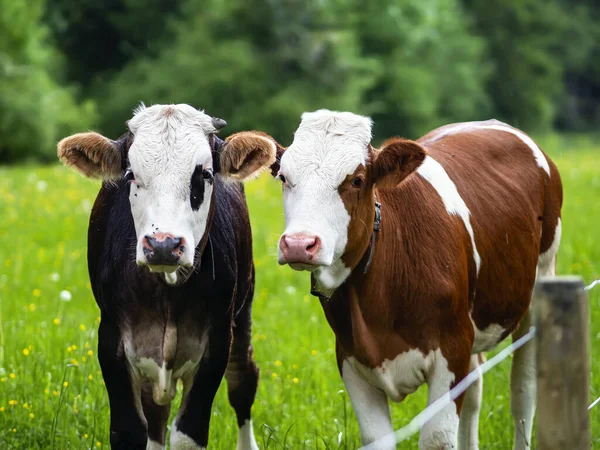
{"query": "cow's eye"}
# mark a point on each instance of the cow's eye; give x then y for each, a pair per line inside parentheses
(281, 177)
(357, 183)
(208, 175)
(128, 175)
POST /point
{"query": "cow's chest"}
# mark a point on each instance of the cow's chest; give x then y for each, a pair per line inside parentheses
(160, 354)
(397, 377)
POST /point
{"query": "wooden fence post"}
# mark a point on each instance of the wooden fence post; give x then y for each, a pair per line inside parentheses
(562, 358)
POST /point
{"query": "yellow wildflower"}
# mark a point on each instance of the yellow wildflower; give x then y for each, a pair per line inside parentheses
(273, 375)
(25, 405)
(3, 379)
(12, 376)
(313, 352)
(82, 327)
(32, 307)
(74, 347)
(56, 321)
(278, 363)
(74, 362)
(66, 384)
(85, 436)
(12, 402)
(98, 444)
(46, 391)
(14, 430)
(295, 380)
(87, 345)
(37, 292)
(90, 352)
(83, 359)
(294, 366)
(55, 393)
(90, 377)
(26, 351)
(1, 408)
(31, 415)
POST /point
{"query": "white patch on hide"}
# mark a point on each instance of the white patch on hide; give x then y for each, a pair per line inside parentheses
(433, 172)
(246, 440)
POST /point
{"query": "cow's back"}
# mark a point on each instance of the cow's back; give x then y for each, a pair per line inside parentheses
(514, 194)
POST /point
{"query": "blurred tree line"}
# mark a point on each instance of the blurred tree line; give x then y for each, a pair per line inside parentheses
(410, 64)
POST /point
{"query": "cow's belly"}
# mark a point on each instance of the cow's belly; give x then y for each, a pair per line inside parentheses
(400, 376)
(151, 363)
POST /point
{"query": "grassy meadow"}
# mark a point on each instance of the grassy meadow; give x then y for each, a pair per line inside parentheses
(51, 390)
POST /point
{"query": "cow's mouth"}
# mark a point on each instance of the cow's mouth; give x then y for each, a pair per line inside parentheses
(302, 266)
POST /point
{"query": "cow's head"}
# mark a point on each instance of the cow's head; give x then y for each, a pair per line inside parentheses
(329, 174)
(170, 158)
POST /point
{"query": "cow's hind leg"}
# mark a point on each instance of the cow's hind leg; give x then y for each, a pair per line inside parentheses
(468, 427)
(242, 378)
(127, 423)
(523, 376)
(157, 417)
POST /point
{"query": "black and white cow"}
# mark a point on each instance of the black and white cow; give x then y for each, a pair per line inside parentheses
(170, 263)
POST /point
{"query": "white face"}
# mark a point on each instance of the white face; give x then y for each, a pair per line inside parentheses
(171, 183)
(328, 146)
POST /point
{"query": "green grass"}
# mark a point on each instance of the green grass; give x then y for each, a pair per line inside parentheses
(51, 391)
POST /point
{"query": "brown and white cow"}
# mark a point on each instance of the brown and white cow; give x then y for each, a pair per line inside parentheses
(470, 214)
(170, 263)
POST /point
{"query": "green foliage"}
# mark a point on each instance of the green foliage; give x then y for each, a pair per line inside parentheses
(530, 44)
(410, 64)
(35, 111)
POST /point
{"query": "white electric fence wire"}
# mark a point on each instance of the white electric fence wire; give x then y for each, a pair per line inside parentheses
(592, 284)
(594, 403)
(427, 414)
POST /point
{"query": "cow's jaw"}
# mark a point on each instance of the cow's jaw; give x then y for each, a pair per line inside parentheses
(170, 152)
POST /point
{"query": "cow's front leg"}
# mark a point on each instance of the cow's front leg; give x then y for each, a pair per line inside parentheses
(370, 407)
(189, 430)
(127, 423)
(441, 432)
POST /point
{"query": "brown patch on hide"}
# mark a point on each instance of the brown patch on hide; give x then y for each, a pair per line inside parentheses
(92, 155)
(248, 153)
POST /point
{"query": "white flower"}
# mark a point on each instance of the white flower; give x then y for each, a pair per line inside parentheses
(86, 204)
(42, 185)
(291, 290)
(54, 277)
(65, 296)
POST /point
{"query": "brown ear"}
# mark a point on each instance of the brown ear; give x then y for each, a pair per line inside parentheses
(396, 160)
(248, 153)
(92, 155)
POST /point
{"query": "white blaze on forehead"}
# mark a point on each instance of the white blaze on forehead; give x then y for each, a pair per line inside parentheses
(168, 138)
(331, 143)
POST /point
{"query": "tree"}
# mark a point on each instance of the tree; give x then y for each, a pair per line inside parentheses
(35, 111)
